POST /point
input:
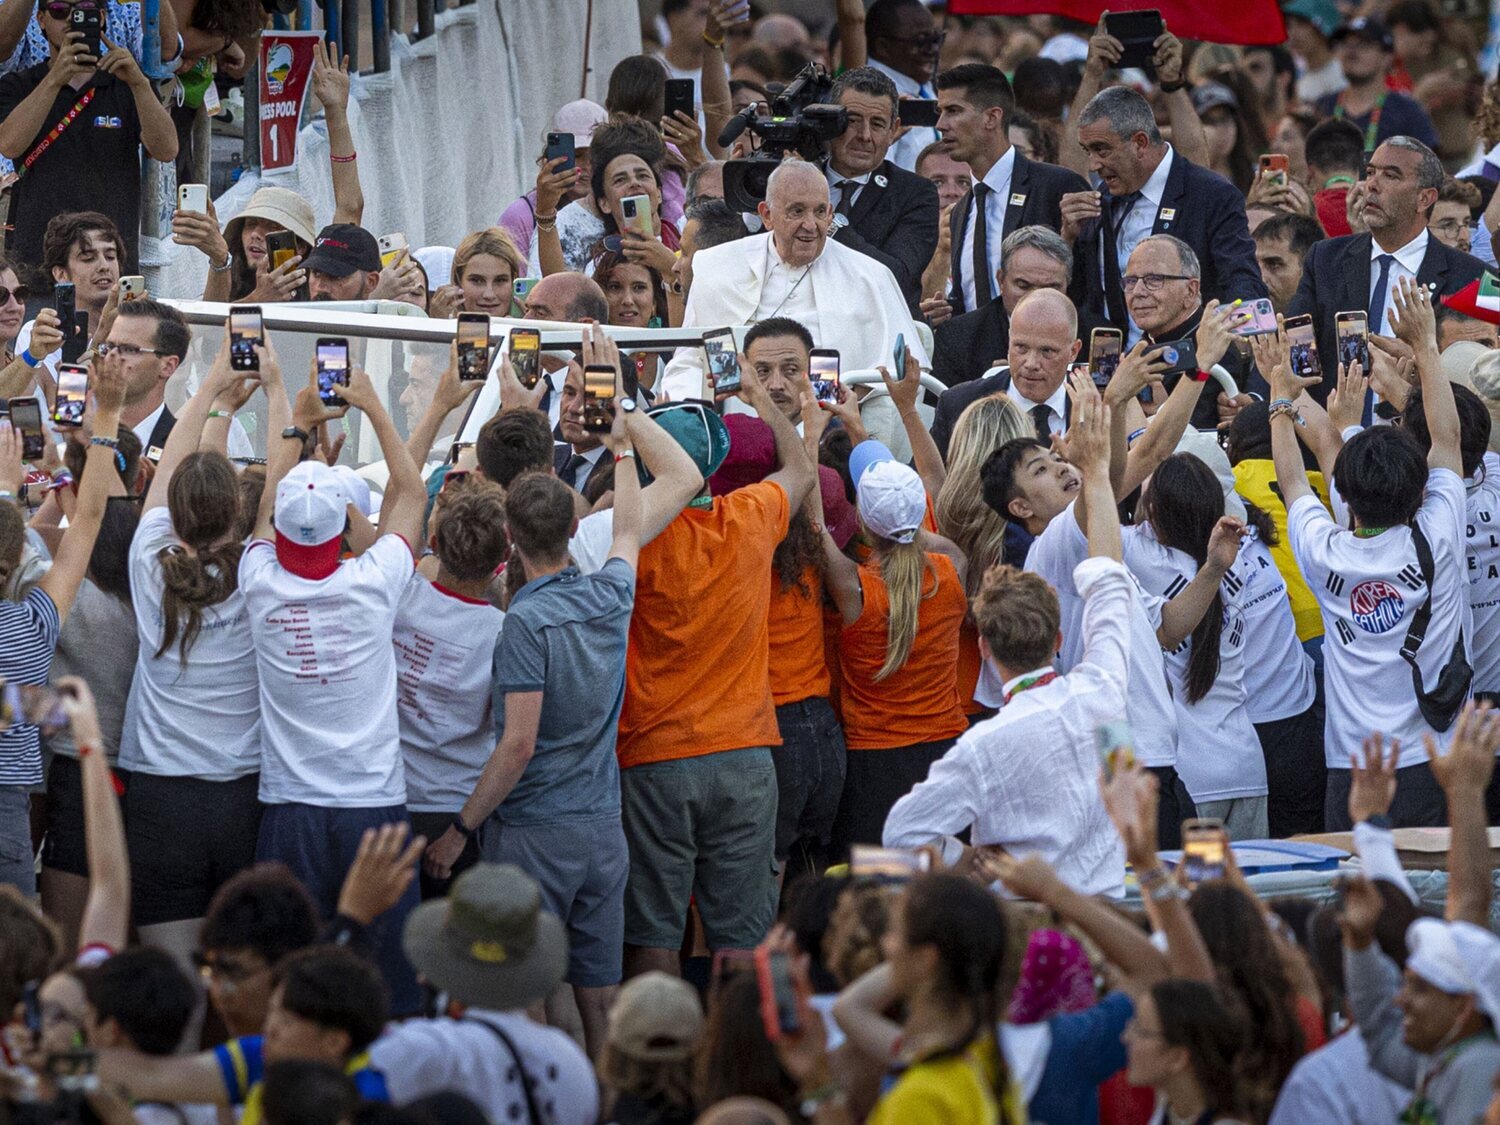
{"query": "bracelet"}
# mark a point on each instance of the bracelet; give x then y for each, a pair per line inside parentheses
(1171, 87)
(624, 453)
(1153, 878)
(100, 439)
(1167, 892)
(1200, 376)
(220, 414)
(28, 359)
(717, 44)
(1290, 411)
(458, 825)
(1275, 402)
(350, 159)
(228, 261)
(813, 1099)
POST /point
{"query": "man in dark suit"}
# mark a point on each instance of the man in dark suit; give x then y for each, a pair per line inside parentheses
(1150, 189)
(975, 104)
(1043, 341)
(1030, 258)
(579, 456)
(888, 213)
(1360, 271)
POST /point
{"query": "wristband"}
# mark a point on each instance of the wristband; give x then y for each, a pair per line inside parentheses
(1167, 892)
(1200, 376)
(1275, 402)
(717, 44)
(1152, 878)
(458, 825)
(220, 414)
(350, 159)
(28, 359)
(624, 453)
(1171, 87)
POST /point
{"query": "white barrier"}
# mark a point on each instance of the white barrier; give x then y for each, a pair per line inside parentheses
(448, 137)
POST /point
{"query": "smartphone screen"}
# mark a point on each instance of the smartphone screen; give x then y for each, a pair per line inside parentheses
(333, 370)
(598, 398)
(525, 355)
(1116, 747)
(917, 113)
(1354, 338)
(1204, 844)
(899, 357)
(1254, 318)
(637, 212)
(64, 300)
(723, 362)
(26, 416)
(281, 245)
(1138, 32)
(473, 346)
(245, 334)
(824, 373)
(1104, 355)
(72, 394)
(1303, 344)
(562, 144)
(778, 993)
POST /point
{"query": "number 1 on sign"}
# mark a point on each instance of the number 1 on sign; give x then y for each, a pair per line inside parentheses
(275, 145)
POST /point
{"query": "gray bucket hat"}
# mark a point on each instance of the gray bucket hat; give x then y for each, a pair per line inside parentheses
(489, 944)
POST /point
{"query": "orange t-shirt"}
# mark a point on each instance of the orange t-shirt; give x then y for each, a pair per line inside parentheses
(799, 669)
(697, 677)
(968, 666)
(919, 701)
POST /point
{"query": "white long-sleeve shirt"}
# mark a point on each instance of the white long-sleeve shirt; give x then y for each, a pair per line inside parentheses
(1027, 778)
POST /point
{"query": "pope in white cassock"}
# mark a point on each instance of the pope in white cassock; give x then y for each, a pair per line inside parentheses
(846, 300)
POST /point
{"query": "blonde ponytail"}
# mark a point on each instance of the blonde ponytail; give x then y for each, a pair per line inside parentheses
(904, 568)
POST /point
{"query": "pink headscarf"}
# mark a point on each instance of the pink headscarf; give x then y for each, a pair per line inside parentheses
(1056, 977)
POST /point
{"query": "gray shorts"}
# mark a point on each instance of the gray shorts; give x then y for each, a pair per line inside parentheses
(581, 867)
(701, 828)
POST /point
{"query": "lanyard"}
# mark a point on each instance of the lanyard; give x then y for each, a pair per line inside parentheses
(57, 130)
(1373, 127)
(1027, 684)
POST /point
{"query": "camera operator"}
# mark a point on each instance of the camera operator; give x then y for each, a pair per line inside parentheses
(75, 126)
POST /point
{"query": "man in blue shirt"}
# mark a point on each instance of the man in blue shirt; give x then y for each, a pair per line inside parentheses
(1365, 49)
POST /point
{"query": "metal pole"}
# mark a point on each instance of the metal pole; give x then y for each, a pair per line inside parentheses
(425, 25)
(380, 34)
(333, 26)
(250, 142)
(351, 34)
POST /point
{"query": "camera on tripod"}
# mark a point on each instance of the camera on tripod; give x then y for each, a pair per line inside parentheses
(801, 121)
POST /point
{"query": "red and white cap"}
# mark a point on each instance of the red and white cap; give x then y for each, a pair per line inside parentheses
(312, 505)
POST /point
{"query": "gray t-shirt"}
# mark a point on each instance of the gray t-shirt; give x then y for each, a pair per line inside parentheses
(565, 636)
(98, 642)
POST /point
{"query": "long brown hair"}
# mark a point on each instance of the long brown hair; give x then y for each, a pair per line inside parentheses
(204, 501)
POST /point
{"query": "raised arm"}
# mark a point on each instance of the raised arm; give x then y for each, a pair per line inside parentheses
(598, 348)
(19, 128)
(158, 133)
(330, 82)
(713, 93)
(1464, 773)
(1273, 358)
(1188, 136)
(1104, 52)
(106, 910)
(1415, 325)
(1091, 443)
(551, 184)
(405, 500)
(452, 392)
(187, 434)
(283, 453)
(1180, 616)
(15, 15)
(906, 393)
(71, 563)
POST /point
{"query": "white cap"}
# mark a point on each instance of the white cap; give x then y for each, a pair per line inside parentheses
(1480, 951)
(437, 264)
(311, 505)
(892, 501)
(1204, 445)
(1434, 955)
(355, 487)
(581, 118)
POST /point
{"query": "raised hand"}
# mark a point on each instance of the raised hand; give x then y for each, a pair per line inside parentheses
(1470, 761)
(1372, 781)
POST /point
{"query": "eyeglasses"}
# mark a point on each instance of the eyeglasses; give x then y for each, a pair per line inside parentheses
(1152, 281)
(59, 9)
(1449, 226)
(128, 351)
(20, 293)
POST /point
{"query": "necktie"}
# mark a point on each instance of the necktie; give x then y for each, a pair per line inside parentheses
(1377, 320)
(1119, 208)
(981, 264)
(569, 475)
(847, 188)
(1041, 416)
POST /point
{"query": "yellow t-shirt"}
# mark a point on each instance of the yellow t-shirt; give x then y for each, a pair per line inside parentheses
(952, 1090)
(1255, 480)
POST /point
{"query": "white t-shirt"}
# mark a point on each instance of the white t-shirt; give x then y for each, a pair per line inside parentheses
(1054, 555)
(1279, 679)
(199, 718)
(329, 732)
(1368, 588)
(1218, 752)
(1337, 1085)
(421, 1057)
(578, 232)
(1483, 534)
(591, 543)
(445, 645)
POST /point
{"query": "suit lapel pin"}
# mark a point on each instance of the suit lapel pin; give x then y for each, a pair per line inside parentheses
(1168, 214)
(881, 181)
(1017, 199)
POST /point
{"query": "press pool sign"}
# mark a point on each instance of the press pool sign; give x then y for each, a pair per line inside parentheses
(286, 62)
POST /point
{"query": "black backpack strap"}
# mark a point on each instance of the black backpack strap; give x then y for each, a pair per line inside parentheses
(1416, 632)
(533, 1114)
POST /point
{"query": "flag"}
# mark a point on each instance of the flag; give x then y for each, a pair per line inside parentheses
(1245, 22)
(1479, 299)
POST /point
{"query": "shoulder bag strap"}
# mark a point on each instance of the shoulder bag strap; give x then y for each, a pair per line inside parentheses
(1417, 630)
(57, 130)
(533, 1114)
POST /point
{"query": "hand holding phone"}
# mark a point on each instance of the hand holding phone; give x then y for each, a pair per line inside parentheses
(1137, 32)
(473, 340)
(823, 372)
(781, 993)
(72, 395)
(1105, 345)
(525, 356)
(246, 333)
(723, 363)
(333, 370)
(598, 398)
(1205, 845)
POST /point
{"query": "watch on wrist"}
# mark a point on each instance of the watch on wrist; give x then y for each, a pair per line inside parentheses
(297, 433)
(458, 825)
(627, 404)
(1379, 820)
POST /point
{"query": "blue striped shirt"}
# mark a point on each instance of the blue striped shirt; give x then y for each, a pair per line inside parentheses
(28, 638)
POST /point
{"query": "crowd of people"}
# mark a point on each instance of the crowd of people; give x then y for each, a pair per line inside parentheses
(1086, 467)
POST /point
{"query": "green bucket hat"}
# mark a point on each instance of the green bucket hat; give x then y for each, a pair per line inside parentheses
(698, 429)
